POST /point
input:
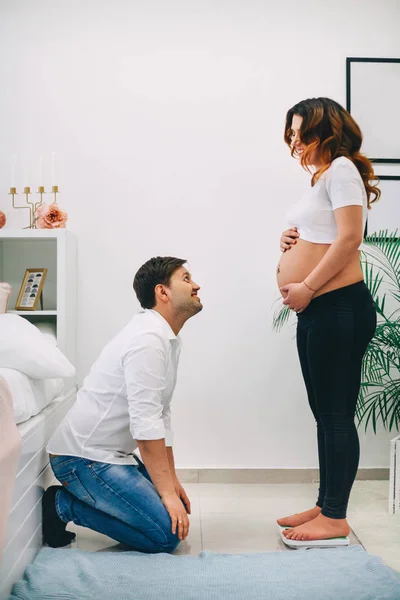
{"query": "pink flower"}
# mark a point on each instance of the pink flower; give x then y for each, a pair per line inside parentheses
(3, 219)
(50, 217)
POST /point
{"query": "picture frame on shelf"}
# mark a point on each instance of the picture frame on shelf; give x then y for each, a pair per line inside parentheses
(31, 290)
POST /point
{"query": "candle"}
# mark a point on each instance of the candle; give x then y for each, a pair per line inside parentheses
(41, 180)
(13, 169)
(53, 169)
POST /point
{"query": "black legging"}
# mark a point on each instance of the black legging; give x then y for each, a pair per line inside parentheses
(333, 333)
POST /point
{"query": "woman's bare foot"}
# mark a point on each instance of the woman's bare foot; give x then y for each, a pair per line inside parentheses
(300, 518)
(320, 528)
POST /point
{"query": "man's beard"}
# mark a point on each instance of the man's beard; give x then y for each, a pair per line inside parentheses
(192, 308)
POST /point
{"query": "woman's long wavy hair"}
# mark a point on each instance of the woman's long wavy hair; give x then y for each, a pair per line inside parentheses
(330, 130)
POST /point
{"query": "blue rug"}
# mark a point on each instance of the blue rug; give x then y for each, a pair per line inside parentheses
(331, 574)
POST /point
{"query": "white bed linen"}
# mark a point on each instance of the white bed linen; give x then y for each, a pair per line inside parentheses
(30, 396)
(24, 532)
(10, 445)
(24, 348)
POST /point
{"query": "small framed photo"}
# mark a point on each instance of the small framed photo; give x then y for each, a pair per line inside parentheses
(31, 289)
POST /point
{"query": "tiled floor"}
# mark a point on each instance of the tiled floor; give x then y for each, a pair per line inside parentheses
(236, 518)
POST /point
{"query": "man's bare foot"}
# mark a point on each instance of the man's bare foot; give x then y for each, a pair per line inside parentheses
(320, 528)
(300, 518)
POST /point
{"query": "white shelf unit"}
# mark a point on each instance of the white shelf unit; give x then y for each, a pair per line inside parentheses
(34, 313)
(22, 249)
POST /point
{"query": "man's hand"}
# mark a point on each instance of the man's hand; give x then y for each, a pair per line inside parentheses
(298, 296)
(289, 238)
(178, 515)
(180, 492)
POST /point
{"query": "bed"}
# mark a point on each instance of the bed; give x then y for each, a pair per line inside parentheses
(36, 392)
(33, 474)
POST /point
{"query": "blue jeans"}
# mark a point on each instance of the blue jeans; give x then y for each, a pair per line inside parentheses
(117, 500)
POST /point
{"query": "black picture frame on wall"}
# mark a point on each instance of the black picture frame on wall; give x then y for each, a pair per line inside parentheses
(385, 214)
(366, 88)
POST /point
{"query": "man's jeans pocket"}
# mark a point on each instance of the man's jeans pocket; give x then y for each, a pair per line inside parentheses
(71, 481)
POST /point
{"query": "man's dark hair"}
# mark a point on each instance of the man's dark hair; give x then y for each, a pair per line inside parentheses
(157, 270)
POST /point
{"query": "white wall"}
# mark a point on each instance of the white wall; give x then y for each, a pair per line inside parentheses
(168, 117)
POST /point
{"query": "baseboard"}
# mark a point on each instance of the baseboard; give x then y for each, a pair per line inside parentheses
(267, 475)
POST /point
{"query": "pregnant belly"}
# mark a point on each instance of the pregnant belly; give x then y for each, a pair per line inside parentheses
(298, 262)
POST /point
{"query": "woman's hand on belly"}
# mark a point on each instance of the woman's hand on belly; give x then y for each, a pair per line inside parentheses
(296, 265)
(288, 238)
(297, 296)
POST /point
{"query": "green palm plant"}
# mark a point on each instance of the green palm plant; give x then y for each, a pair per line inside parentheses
(379, 398)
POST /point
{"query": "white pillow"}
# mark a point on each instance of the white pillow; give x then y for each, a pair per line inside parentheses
(21, 393)
(49, 330)
(5, 292)
(24, 348)
(30, 396)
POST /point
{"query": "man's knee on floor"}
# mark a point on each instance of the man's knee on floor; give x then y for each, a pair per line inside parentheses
(169, 544)
(168, 547)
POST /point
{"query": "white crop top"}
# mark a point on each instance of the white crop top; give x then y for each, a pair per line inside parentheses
(340, 185)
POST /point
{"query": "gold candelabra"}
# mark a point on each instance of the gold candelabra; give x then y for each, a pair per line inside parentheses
(55, 191)
(41, 192)
(13, 193)
(31, 206)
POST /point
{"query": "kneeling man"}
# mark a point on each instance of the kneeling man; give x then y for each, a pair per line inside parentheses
(124, 404)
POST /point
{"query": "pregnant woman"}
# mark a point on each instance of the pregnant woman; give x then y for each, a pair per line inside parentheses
(320, 278)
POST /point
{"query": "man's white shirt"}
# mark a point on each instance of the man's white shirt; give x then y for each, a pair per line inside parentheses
(126, 396)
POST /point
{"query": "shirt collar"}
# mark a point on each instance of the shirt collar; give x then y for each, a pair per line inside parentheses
(165, 325)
